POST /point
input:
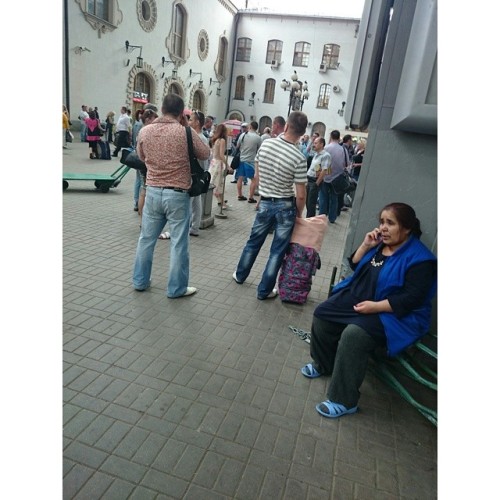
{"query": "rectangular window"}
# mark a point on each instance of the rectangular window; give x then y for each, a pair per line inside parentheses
(274, 51)
(331, 56)
(244, 49)
(301, 54)
(98, 8)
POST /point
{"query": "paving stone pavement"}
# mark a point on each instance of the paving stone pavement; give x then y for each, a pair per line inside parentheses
(201, 397)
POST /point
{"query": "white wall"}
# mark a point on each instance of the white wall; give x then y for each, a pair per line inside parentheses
(100, 78)
(317, 31)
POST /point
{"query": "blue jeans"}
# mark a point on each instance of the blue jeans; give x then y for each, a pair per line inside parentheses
(164, 205)
(83, 132)
(280, 215)
(328, 202)
(137, 187)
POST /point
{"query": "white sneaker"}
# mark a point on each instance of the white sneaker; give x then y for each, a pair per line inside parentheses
(164, 236)
(190, 290)
(272, 294)
(236, 279)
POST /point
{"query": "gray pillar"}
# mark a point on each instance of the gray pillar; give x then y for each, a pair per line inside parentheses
(207, 219)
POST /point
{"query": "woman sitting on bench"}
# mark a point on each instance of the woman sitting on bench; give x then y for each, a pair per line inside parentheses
(385, 302)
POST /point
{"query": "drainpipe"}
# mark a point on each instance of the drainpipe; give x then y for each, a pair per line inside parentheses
(66, 56)
(236, 21)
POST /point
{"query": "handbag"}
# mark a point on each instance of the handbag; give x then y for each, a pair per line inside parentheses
(342, 183)
(132, 160)
(200, 179)
(235, 162)
(69, 136)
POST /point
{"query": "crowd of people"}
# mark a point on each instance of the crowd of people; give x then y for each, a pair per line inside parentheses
(385, 303)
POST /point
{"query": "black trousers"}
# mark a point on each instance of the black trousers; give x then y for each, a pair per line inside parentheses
(122, 141)
(342, 351)
(312, 198)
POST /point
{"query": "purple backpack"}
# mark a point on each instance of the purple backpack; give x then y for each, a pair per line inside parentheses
(298, 267)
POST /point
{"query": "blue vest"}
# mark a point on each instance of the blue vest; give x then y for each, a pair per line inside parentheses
(400, 332)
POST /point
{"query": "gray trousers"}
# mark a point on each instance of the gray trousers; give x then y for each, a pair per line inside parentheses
(342, 351)
(196, 210)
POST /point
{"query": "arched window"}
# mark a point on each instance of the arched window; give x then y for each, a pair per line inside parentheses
(142, 85)
(244, 49)
(264, 122)
(269, 90)
(198, 100)
(175, 88)
(274, 50)
(301, 54)
(220, 67)
(239, 92)
(179, 31)
(331, 56)
(319, 127)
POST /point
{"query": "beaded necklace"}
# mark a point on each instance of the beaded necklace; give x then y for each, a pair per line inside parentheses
(376, 263)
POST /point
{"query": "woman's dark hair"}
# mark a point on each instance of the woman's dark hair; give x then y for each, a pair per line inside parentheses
(92, 115)
(147, 114)
(138, 114)
(406, 216)
(220, 132)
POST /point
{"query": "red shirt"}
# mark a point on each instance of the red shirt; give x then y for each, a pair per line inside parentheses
(162, 145)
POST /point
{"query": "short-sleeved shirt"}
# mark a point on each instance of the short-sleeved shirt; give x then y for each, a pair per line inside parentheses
(249, 147)
(320, 161)
(162, 145)
(281, 165)
(338, 163)
(123, 123)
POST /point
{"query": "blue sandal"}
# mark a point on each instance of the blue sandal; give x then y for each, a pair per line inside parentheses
(330, 409)
(309, 371)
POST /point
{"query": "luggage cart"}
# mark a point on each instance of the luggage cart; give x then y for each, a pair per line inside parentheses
(103, 182)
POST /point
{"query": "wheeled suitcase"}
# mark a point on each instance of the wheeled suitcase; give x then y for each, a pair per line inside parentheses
(103, 150)
(298, 268)
(302, 259)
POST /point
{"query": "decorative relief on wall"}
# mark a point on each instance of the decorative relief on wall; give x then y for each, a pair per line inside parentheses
(101, 25)
(147, 13)
(202, 45)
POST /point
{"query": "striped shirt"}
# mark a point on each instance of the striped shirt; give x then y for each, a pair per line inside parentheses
(281, 165)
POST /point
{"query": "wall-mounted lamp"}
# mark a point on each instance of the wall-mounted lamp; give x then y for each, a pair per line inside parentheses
(162, 75)
(133, 47)
(341, 111)
(174, 74)
(218, 89)
(79, 50)
(251, 101)
(191, 73)
(165, 61)
(127, 62)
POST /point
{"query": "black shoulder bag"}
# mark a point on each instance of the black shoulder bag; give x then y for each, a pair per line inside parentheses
(235, 162)
(200, 179)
